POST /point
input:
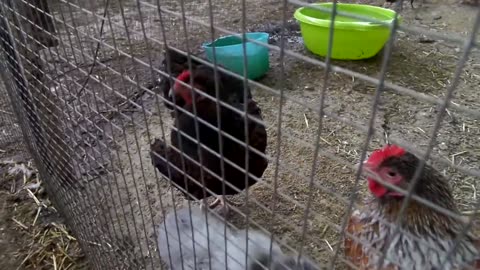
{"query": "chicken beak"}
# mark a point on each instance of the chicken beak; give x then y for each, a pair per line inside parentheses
(170, 93)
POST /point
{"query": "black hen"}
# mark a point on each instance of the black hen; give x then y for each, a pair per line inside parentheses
(232, 123)
(179, 63)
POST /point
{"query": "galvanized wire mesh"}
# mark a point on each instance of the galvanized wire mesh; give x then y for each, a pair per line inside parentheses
(10, 133)
(83, 79)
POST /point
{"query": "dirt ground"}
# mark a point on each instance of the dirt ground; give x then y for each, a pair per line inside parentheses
(113, 124)
(9, 240)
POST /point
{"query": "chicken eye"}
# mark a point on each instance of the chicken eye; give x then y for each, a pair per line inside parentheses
(392, 174)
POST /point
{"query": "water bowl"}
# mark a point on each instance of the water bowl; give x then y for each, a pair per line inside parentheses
(353, 38)
(229, 54)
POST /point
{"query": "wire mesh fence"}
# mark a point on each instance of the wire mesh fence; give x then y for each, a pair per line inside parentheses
(103, 109)
(11, 135)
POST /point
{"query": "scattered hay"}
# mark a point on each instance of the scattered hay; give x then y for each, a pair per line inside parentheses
(51, 247)
(46, 242)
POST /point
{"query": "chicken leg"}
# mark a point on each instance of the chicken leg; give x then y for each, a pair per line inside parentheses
(218, 201)
(223, 203)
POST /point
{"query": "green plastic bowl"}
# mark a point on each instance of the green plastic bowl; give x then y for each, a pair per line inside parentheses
(353, 39)
(229, 54)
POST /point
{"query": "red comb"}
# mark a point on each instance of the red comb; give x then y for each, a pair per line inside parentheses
(378, 156)
(184, 76)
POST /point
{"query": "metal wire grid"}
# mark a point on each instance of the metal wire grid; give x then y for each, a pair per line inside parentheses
(10, 132)
(108, 235)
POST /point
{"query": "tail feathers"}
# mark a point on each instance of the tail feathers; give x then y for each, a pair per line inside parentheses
(158, 145)
(158, 149)
(254, 110)
(159, 153)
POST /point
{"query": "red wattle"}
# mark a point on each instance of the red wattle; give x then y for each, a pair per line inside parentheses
(376, 188)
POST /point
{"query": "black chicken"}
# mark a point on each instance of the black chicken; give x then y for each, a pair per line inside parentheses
(179, 63)
(232, 123)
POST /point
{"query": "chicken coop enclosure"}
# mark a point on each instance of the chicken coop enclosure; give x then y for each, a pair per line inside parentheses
(86, 82)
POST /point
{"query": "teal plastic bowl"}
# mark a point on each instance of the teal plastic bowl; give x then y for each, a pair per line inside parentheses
(229, 54)
(353, 39)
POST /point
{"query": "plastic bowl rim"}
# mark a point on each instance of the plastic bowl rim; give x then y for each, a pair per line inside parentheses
(209, 44)
(357, 25)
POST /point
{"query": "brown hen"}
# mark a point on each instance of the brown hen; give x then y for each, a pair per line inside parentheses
(426, 236)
